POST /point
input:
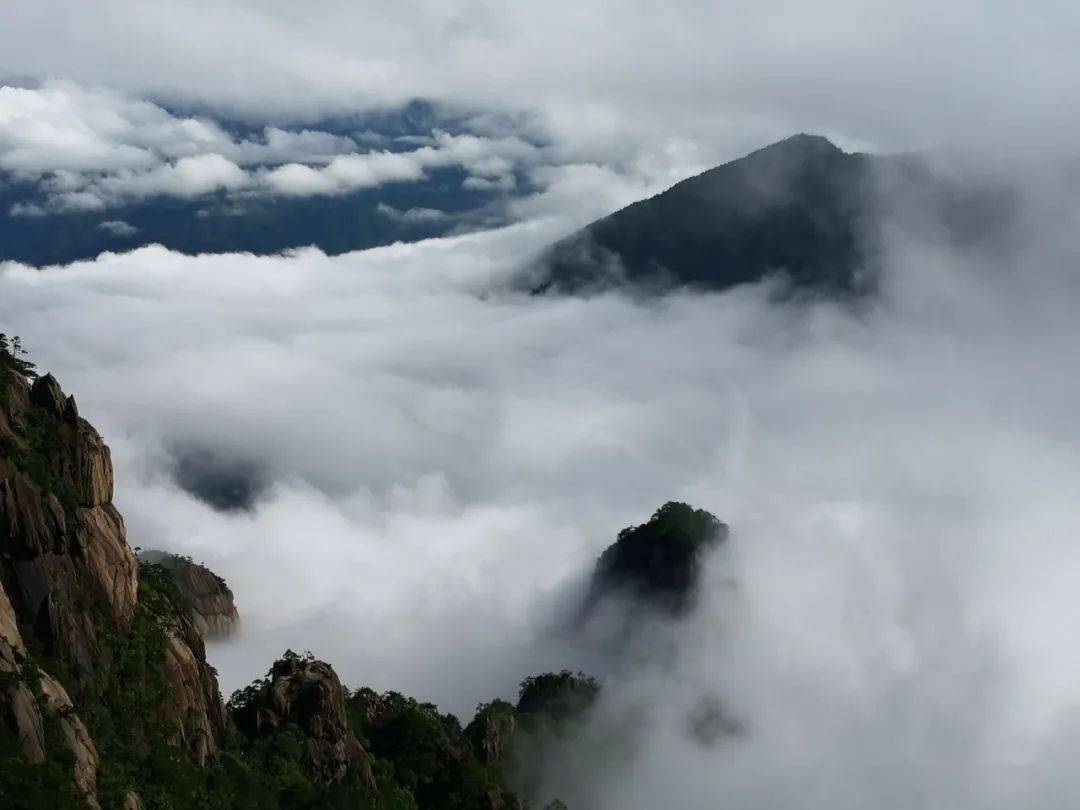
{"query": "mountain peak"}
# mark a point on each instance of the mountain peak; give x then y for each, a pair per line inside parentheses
(794, 207)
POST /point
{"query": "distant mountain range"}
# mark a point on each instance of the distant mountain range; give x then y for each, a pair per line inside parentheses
(800, 207)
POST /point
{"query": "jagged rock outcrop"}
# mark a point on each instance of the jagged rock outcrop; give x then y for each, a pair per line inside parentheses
(210, 603)
(93, 462)
(114, 571)
(76, 737)
(30, 696)
(307, 694)
(193, 701)
(64, 543)
(492, 731)
(71, 583)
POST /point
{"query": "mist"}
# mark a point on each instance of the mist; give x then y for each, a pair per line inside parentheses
(433, 461)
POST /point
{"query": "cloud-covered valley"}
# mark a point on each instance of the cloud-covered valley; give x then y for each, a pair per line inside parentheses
(433, 462)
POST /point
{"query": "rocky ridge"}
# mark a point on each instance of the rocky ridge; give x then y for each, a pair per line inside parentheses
(210, 603)
(71, 609)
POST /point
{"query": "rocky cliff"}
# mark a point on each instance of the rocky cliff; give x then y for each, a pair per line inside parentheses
(77, 622)
(209, 601)
(307, 696)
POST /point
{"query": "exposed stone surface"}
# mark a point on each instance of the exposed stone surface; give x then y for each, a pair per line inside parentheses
(72, 582)
(209, 601)
(194, 701)
(52, 595)
(12, 647)
(62, 553)
(113, 569)
(45, 393)
(25, 717)
(76, 737)
(307, 693)
(94, 482)
(492, 732)
(31, 521)
(25, 712)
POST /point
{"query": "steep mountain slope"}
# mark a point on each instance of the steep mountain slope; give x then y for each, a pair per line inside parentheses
(801, 207)
(209, 600)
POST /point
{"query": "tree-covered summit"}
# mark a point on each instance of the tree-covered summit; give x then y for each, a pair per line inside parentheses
(659, 562)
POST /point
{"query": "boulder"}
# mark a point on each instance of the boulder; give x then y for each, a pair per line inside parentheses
(46, 393)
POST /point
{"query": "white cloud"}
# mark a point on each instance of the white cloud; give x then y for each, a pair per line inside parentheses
(118, 228)
(188, 177)
(506, 182)
(603, 77)
(413, 216)
(893, 619)
(344, 173)
(91, 149)
(62, 126)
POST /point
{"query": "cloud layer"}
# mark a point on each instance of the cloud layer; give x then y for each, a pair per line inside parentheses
(92, 149)
(439, 462)
(603, 75)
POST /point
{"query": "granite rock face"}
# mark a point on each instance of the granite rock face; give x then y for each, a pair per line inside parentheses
(307, 694)
(193, 702)
(64, 544)
(31, 696)
(210, 603)
(70, 581)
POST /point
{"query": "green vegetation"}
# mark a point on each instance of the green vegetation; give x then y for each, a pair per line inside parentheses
(45, 448)
(555, 698)
(659, 561)
(27, 786)
(13, 357)
(422, 757)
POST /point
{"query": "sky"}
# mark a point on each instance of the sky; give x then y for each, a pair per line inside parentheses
(660, 94)
(898, 75)
(435, 460)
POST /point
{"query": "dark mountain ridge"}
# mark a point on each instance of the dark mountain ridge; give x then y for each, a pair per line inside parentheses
(801, 207)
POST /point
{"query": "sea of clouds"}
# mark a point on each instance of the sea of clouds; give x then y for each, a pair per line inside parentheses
(435, 460)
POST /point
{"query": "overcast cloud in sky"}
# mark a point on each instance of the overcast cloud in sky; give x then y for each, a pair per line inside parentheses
(604, 74)
(432, 461)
